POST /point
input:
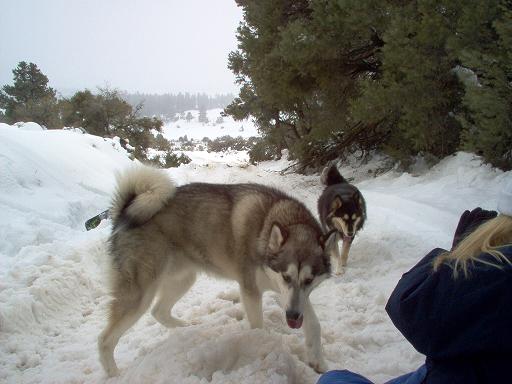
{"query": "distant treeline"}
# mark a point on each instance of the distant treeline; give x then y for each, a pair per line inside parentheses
(169, 104)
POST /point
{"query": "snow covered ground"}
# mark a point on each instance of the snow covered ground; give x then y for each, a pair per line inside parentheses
(53, 297)
(193, 129)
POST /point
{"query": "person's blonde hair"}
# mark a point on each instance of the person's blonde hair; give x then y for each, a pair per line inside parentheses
(487, 238)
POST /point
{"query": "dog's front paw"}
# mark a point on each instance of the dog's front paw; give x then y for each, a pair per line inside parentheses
(172, 322)
(319, 365)
(339, 270)
(113, 371)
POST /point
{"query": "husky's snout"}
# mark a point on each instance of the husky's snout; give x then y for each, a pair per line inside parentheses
(294, 307)
(349, 237)
(294, 319)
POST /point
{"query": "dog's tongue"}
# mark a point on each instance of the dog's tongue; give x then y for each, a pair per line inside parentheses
(295, 323)
(348, 238)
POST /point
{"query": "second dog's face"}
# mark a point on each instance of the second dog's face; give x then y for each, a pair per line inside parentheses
(347, 214)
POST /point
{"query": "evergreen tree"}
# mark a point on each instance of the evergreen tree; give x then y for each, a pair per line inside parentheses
(29, 98)
(298, 65)
(103, 114)
(189, 117)
(413, 103)
(327, 78)
(484, 45)
(107, 114)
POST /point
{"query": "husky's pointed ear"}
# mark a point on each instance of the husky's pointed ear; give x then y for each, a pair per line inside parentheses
(331, 176)
(324, 238)
(336, 203)
(277, 237)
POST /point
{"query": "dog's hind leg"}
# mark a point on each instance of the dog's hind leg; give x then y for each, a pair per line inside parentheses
(172, 287)
(125, 310)
(251, 298)
(312, 334)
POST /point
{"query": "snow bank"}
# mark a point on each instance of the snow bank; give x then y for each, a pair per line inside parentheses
(53, 297)
(57, 178)
(29, 126)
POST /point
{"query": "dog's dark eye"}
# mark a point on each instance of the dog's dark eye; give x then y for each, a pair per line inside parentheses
(308, 281)
(287, 279)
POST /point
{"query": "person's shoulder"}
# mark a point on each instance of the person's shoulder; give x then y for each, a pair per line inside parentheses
(504, 264)
(506, 250)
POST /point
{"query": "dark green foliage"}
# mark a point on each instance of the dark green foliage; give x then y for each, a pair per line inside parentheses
(415, 99)
(228, 143)
(261, 150)
(170, 160)
(101, 114)
(258, 148)
(484, 40)
(186, 144)
(29, 98)
(106, 114)
(161, 143)
(174, 160)
(298, 66)
(329, 78)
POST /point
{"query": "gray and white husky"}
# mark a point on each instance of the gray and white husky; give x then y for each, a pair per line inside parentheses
(164, 235)
(342, 209)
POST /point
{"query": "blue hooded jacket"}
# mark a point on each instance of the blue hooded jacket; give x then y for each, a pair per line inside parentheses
(462, 325)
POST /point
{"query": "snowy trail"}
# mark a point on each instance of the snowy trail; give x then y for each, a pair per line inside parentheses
(53, 297)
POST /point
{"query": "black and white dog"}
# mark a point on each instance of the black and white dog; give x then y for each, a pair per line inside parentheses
(341, 208)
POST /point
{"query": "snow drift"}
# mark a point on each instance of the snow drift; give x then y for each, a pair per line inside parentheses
(53, 296)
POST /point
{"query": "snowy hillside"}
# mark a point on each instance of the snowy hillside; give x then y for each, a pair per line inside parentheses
(53, 297)
(194, 129)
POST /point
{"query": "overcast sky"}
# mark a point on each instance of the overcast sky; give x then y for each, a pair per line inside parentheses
(148, 46)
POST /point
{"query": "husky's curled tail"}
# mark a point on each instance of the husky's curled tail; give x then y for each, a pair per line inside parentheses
(141, 192)
(164, 235)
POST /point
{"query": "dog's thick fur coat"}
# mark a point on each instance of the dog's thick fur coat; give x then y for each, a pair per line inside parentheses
(164, 235)
(341, 208)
